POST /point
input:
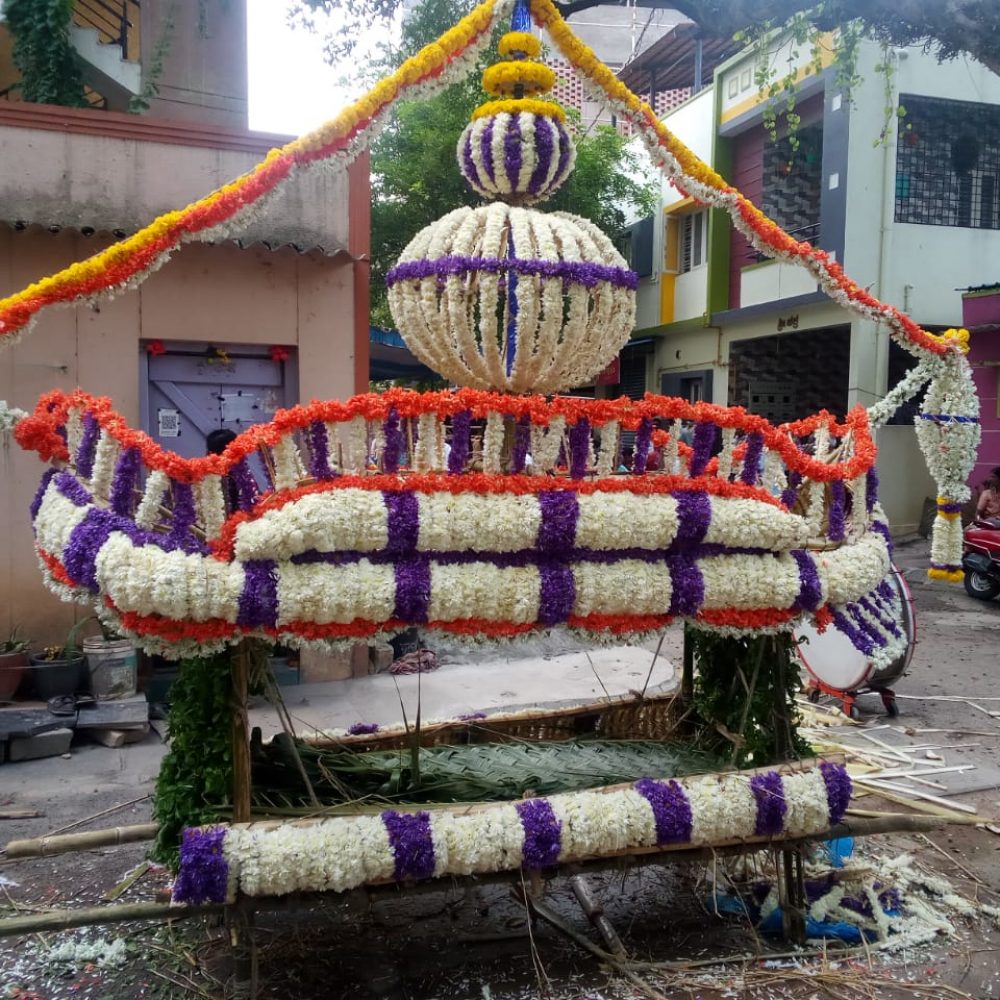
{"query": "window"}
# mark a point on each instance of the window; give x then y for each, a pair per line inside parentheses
(947, 163)
(693, 241)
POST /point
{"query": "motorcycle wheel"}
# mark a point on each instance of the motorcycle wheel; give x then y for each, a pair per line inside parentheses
(981, 587)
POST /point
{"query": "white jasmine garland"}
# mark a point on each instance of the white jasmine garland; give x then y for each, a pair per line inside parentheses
(149, 512)
(289, 469)
(493, 443)
(342, 853)
(211, 505)
(609, 448)
(105, 455)
(565, 331)
(726, 455)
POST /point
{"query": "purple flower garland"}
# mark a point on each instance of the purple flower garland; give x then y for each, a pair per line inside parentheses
(705, 435)
(643, 440)
(363, 729)
(122, 497)
(671, 810)
(810, 588)
(88, 445)
(750, 472)
(769, 793)
(522, 439)
(204, 871)
(411, 842)
(836, 514)
(579, 448)
(838, 789)
(258, 604)
(542, 834)
(791, 491)
(871, 489)
(246, 485)
(461, 427)
(393, 442)
(319, 450)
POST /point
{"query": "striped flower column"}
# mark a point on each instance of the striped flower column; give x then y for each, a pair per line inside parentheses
(342, 853)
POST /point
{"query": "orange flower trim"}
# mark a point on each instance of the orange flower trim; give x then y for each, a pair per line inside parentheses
(216, 630)
(40, 431)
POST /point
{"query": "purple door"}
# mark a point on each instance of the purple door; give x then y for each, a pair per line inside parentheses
(194, 389)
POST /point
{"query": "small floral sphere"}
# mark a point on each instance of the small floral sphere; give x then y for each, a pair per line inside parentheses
(516, 155)
(506, 298)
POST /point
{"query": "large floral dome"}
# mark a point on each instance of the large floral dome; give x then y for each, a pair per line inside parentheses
(507, 298)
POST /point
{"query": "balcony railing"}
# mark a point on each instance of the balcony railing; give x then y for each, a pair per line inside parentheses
(808, 234)
(110, 18)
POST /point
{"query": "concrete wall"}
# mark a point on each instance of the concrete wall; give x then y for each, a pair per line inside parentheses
(204, 76)
(109, 171)
(206, 292)
(904, 482)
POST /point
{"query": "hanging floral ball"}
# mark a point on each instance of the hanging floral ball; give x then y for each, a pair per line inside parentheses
(515, 153)
(506, 298)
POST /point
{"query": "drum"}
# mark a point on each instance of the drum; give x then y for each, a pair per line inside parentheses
(836, 665)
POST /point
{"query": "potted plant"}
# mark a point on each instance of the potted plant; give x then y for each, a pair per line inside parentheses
(13, 660)
(57, 670)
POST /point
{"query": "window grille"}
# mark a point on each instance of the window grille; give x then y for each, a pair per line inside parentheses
(693, 241)
(947, 163)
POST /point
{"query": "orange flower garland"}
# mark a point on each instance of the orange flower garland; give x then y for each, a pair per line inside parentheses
(40, 433)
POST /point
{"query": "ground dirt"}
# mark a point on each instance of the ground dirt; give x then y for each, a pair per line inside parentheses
(474, 941)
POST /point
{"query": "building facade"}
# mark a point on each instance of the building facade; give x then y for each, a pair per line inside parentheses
(909, 206)
(221, 336)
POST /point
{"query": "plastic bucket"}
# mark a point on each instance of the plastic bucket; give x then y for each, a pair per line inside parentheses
(113, 667)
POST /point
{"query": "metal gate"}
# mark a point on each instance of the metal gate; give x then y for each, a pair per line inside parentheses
(189, 390)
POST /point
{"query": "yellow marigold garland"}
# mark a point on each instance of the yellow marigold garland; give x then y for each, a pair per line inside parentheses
(502, 78)
(544, 109)
(520, 43)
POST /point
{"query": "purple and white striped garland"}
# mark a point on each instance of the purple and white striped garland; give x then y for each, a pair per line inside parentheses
(523, 155)
(341, 853)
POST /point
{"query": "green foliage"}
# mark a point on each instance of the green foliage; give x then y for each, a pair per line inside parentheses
(745, 693)
(196, 777)
(479, 772)
(42, 52)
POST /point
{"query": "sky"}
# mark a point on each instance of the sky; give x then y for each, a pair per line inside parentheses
(292, 88)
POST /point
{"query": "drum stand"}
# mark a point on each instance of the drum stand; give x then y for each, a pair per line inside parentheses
(847, 699)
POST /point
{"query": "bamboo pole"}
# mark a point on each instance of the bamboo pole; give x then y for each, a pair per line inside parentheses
(59, 920)
(240, 660)
(43, 847)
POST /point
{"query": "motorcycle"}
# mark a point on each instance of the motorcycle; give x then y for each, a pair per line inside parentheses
(981, 559)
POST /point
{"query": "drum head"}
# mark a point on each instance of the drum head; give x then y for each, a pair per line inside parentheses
(833, 661)
(831, 658)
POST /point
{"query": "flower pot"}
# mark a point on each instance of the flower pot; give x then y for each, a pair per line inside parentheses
(55, 678)
(11, 672)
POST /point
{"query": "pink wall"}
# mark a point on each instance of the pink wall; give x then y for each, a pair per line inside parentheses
(983, 312)
(205, 292)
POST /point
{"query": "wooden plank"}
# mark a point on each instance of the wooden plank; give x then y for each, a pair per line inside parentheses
(240, 666)
(129, 713)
